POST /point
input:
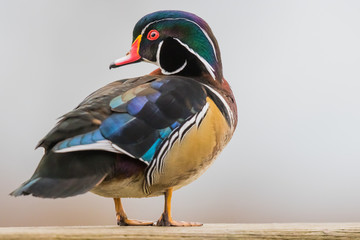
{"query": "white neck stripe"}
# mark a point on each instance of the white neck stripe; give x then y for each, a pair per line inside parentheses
(208, 67)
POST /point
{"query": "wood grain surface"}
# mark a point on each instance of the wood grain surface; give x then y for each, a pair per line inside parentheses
(208, 231)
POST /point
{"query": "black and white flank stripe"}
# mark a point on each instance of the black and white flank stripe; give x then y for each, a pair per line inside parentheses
(157, 164)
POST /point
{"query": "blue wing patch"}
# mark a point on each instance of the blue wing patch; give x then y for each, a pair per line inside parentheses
(84, 139)
(143, 118)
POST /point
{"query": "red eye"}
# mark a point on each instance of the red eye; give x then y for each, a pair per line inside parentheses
(153, 35)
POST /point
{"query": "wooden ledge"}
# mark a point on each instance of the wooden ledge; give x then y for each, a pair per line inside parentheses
(208, 231)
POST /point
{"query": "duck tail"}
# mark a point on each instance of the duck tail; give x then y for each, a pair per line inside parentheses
(61, 175)
(56, 188)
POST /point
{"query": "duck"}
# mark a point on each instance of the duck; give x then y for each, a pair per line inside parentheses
(145, 136)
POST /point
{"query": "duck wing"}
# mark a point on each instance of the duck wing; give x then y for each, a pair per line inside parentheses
(136, 119)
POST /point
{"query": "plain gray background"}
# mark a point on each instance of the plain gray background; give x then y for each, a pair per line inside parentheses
(294, 69)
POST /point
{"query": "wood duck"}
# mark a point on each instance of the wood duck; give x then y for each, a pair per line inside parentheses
(145, 136)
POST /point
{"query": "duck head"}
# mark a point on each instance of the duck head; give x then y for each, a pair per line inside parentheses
(180, 43)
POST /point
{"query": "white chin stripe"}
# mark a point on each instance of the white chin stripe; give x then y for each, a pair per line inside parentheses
(174, 72)
(163, 70)
(158, 54)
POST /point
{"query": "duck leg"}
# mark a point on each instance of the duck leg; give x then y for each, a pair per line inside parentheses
(122, 219)
(166, 219)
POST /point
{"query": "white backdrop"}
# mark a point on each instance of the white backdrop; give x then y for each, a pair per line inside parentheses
(294, 69)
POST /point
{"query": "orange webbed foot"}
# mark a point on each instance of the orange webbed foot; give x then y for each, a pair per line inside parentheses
(164, 221)
(121, 221)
